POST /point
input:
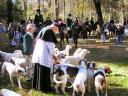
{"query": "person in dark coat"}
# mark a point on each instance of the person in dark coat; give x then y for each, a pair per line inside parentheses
(28, 48)
(92, 21)
(69, 27)
(86, 22)
(38, 19)
(112, 20)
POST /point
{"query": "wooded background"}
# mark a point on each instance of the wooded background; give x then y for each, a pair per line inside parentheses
(18, 9)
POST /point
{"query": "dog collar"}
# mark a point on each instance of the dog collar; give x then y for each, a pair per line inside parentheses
(100, 72)
(90, 67)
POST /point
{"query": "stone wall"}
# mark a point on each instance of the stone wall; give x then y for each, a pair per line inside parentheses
(113, 52)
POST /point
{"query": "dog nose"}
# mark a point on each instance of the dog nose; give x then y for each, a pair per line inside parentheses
(19, 71)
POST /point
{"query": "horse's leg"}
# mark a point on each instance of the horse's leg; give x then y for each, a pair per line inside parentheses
(126, 39)
(76, 38)
(61, 40)
(93, 33)
(109, 34)
(67, 39)
(89, 35)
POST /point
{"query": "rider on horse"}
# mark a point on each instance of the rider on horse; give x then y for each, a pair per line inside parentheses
(92, 21)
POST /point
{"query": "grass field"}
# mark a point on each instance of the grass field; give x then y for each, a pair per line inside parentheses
(117, 81)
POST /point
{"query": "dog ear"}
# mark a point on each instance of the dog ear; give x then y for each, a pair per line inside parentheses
(85, 62)
(88, 64)
(20, 70)
(107, 69)
(94, 64)
(11, 60)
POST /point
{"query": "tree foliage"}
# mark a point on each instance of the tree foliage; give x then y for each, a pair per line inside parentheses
(79, 8)
(2, 10)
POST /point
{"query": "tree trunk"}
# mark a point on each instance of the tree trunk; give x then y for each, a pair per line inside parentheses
(123, 11)
(9, 11)
(25, 9)
(64, 10)
(110, 14)
(83, 10)
(97, 4)
(57, 8)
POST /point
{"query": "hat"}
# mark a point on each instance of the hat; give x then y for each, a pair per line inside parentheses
(38, 10)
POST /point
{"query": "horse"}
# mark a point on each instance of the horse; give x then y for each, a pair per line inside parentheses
(88, 29)
(94, 27)
(111, 28)
(63, 32)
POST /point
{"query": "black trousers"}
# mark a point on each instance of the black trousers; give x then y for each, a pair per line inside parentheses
(75, 38)
(41, 80)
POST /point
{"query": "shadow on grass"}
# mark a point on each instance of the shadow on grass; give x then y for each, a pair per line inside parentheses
(118, 92)
(113, 90)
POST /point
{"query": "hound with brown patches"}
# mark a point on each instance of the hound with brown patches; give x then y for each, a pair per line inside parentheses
(100, 80)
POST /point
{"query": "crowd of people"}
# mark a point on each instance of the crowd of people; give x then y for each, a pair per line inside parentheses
(68, 29)
(116, 29)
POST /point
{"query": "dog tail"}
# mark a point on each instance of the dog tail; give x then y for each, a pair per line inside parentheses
(70, 85)
(102, 80)
(77, 86)
(3, 68)
(55, 79)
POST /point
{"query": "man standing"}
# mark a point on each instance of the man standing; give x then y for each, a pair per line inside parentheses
(38, 21)
(92, 21)
(86, 22)
(69, 26)
(28, 49)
